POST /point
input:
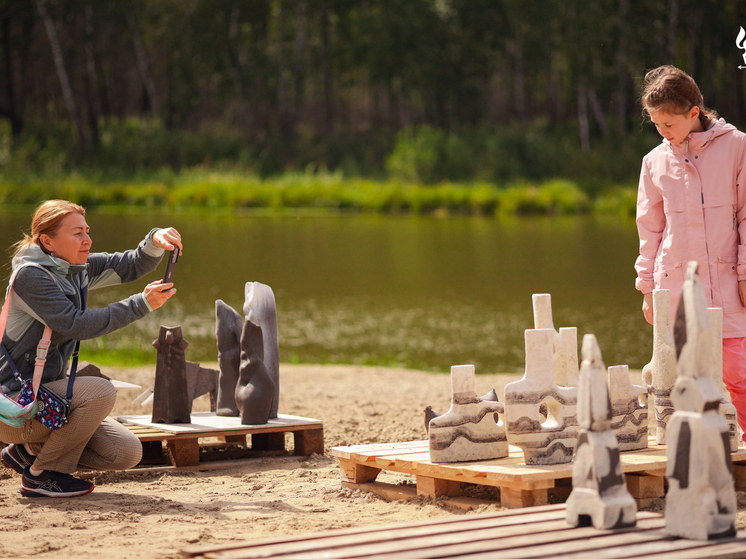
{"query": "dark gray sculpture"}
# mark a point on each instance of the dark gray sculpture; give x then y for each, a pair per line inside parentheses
(260, 308)
(201, 380)
(171, 403)
(228, 326)
(255, 390)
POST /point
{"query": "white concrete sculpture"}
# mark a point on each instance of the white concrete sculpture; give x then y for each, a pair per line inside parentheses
(726, 408)
(659, 375)
(599, 492)
(629, 409)
(570, 335)
(565, 342)
(701, 499)
(260, 308)
(471, 429)
(543, 442)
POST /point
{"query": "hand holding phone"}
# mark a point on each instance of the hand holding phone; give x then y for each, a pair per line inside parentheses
(173, 257)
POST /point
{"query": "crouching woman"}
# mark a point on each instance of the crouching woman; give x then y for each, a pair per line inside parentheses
(54, 269)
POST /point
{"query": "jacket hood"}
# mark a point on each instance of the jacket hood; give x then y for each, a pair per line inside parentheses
(33, 254)
(700, 140)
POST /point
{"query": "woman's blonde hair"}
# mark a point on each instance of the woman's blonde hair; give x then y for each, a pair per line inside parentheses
(671, 90)
(46, 221)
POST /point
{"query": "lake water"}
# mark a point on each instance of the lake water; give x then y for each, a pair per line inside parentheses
(423, 292)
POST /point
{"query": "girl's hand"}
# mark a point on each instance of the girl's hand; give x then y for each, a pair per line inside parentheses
(647, 304)
(168, 239)
(158, 293)
(742, 291)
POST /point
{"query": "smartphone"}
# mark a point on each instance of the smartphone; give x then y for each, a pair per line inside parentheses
(173, 257)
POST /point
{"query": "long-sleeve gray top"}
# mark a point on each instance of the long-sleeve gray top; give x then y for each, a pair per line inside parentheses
(39, 300)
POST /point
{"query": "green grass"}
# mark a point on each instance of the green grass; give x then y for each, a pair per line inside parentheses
(210, 190)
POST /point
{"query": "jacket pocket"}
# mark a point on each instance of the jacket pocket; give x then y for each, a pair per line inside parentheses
(728, 284)
(671, 277)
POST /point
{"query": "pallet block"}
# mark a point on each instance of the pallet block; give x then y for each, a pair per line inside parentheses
(184, 448)
(520, 485)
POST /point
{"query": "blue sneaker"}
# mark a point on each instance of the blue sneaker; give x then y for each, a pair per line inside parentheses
(53, 484)
(16, 457)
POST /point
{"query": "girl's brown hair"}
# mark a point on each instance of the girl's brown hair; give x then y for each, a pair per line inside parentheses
(671, 90)
(46, 221)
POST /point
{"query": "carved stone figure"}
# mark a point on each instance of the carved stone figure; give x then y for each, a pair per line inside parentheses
(570, 336)
(255, 390)
(726, 409)
(701, 498)
(260, 308)
(629, 410)
(549, 441)
(599, 492)
(171, 403)
(659, 375)
(228, 327)
(565, 356)
(201, 380)
(471, 429)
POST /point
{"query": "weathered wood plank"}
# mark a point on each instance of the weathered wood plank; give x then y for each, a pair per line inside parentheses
(514, 522)
(479, 538)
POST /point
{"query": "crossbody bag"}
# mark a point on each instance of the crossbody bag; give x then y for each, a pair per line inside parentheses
(35, 400)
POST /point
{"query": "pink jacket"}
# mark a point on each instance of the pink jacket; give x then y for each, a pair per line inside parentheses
(691, 205)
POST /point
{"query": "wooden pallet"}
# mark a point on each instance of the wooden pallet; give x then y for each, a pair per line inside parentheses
(518, 534)
(189, 444)
(520, 485)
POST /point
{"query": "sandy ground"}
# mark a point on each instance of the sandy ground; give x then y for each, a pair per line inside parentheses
(148, 515)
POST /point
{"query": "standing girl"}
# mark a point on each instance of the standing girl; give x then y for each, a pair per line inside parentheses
(691, 205)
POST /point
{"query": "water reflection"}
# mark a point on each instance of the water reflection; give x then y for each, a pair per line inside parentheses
(424, 292)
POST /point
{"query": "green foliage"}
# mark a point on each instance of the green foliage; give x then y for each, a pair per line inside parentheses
(426, 155)
(211, 189)
(619, 200)
(532, 152)
(554, 197)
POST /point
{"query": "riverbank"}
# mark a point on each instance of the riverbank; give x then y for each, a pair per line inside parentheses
(148, 516)
(215, 190)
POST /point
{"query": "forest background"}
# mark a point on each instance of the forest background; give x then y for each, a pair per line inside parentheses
(471, 106)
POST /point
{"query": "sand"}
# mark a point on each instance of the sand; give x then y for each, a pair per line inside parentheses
(137, 515)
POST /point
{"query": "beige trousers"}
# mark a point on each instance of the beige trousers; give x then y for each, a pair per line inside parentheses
(91, 439)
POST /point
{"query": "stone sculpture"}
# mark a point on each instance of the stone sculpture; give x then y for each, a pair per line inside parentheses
(171, 403)
(228, 327)
(659, 375)
(599, 492)
(260, 308)
(726, 408)
(629, 410)
(565, 342)
(255, 390)
(570, 336)
(553, 440)
(471, 429)
(701, 499)
(200, 381)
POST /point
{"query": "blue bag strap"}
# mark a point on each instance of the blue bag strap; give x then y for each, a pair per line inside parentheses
(73, 370)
